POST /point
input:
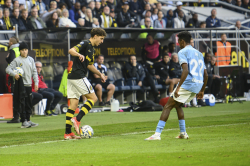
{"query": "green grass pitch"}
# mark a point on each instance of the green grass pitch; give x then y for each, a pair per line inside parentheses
(219, 135)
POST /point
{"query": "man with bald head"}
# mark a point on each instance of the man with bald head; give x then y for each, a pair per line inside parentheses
(53, 97)
(212, 21)
(75, 12)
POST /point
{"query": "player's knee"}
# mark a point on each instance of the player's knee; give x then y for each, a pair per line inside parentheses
(111, 87)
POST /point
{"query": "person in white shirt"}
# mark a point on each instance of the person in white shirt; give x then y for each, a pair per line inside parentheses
(64, 21)
(105, 20)
(178, 21)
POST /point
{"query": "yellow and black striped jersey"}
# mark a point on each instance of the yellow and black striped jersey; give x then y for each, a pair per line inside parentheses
(79, 69)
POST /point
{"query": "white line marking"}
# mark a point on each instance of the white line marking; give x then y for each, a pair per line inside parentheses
(142, 132)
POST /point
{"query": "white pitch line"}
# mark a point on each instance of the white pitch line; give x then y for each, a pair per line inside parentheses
(46, 142)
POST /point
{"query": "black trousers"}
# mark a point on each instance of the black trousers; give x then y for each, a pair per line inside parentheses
(26, 112)
(36, 97)
(148, 81)
(209, 84)
(215, 88)
(53, 97)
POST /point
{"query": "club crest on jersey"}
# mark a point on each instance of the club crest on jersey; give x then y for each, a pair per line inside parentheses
(21, 64)
(90, 87)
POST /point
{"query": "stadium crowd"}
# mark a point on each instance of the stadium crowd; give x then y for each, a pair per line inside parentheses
(39, 14)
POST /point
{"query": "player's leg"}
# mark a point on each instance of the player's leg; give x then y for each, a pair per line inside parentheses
(164, 117)
(111, 90)
(98, 91)
(170, 82)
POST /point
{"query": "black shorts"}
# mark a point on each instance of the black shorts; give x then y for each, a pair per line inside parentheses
(104, 85)
(161, 81)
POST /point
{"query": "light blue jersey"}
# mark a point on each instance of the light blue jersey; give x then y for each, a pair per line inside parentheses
(196, 66)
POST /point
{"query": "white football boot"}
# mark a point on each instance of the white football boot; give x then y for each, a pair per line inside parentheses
(153, 137)
(183, 135)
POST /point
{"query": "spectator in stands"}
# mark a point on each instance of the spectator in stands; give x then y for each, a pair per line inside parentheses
(151, 50)
(42, 7)
(105, 20)
(193, 22)
(59, 2)
(110, 4)
(177, 10)
(155, 14)
(203, 25)
(36, 21)
(98, 85)
(123, 18)
(199, 3)
(245, 4)
(53, 22)
(16, 20)
(160, 23)
(88, 18)
(238, 4)
(178, 21)
(159, 6)
(223, 53)
(92, 7)
(146, 26)
(28, 5)
(62, 6)
(98, 10)
(175, 67)
(74, 12)
(53, 5)
(237, 26)
(147, 7)
(119, 6)
(7, 20)
(171, 47)
(15, 4)
(144, 2)
(230, 2)
(103, 3)
(53, 97)
(47, 15)
(162, 73)
(7, 4)
(83, 11)
(64, 21)
(2, 22)
(216, 84)
(135, 6)
(212, 21)
(112, 15)
(134, 69)
(95, 23)
(148, 14)
(170, 19)
(26, 21)
(81, 23)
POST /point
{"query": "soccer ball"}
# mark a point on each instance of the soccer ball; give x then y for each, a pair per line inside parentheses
(86, 131)
(18, 70)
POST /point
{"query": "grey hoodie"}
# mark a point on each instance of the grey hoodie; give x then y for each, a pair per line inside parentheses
(29, 69)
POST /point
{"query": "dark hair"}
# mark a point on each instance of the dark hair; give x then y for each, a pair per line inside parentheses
(130, 57)
(57, 20)
(222, 34)
(150, 35)
(99, 56)
(165, 54)
(159, 12)
(62, 4)
(169, 45)
(98, 32)
(203, 22)
(14, 40)
(185, 35)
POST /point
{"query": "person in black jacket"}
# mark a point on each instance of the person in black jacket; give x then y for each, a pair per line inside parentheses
(207, 60)
(53, 22)
(134, 69)
(123, 18)
(175, 67)
(26, 21)
(162, 73)
(193, 22)
(15, 20)
(215, 88)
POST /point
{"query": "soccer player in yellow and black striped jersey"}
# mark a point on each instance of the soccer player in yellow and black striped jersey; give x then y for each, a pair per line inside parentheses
(78, 85)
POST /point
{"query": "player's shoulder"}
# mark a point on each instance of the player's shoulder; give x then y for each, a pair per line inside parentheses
(84, 43)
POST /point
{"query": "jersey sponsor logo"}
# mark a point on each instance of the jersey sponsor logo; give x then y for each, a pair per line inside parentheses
(197, 81)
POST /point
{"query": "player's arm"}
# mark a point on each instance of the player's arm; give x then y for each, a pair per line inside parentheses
(97, 72)
(74, 52)
(184, 75)
(201, 93)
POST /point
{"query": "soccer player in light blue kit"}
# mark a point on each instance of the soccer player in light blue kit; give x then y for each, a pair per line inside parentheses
(193, 81)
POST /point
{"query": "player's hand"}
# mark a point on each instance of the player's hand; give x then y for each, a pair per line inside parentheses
(103, 78)
(200, 95)
(17, 76)
(140, 83)
(176, 95)
(36, 88)
(157, 76)
(81, 57)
